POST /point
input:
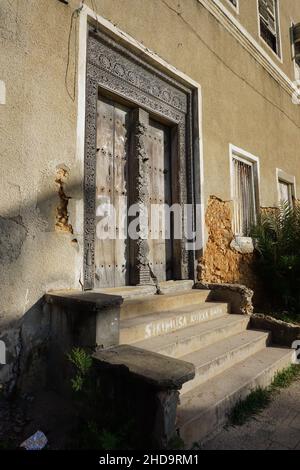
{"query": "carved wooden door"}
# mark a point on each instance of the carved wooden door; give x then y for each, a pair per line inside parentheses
(111, 248)
(160, 199)
(114, 155)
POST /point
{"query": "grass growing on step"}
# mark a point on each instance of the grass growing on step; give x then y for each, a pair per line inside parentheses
(254, 403)
(261, 397)
(286, 377)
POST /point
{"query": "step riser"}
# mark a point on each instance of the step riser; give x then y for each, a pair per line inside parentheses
(162, 326)
(221, 363)
(191, 344)
(162, 303)
(214, 418)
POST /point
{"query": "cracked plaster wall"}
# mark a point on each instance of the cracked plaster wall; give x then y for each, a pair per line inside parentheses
(38, 137)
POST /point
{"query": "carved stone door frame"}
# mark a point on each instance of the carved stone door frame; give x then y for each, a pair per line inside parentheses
(115, 70)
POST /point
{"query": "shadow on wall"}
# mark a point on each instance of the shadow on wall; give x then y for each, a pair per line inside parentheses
(38, 345)
(29, 235)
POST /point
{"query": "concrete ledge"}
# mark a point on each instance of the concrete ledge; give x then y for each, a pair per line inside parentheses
(89, 299)
(283, 333)
(142, 387)
(78, 319)
(161, 372)
(238, 296)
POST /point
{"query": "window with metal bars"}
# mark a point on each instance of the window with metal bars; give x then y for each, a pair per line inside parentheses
(269, 25)
(244, 196)
(286, 191)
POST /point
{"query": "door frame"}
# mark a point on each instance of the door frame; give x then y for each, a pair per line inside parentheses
(114, 68)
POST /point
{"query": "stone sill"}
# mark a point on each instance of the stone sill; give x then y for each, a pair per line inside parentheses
(243, 245)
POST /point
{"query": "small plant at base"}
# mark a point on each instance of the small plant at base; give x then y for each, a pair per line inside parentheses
(175, 443)
(255, 402)
(83, 363)
(286, 377)
(277, 240)
(260, 398)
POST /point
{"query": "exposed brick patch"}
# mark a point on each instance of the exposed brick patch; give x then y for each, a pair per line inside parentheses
(62, 215)
(220, 263)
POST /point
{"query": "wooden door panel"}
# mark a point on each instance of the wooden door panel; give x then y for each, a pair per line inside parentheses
(160, 248)
(120, 193)
(104, 249)
(111, 188)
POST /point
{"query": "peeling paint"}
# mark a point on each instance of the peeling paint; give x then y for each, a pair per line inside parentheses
(62, 215)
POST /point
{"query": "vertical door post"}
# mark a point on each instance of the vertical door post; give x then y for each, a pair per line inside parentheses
(139, 183)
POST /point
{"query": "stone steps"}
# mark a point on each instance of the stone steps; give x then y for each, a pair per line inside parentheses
(140, 292)
(218, 357)
(149, 304)
(230, 359)
(205, 408)
(157, 324)
(181, 342)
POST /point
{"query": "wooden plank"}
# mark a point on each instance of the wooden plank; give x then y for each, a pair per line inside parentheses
(160, 190)
(111, 181)
(120, 193)
(104, 248)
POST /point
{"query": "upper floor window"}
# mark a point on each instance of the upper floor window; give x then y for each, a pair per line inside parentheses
(295, 42)
(269, 23)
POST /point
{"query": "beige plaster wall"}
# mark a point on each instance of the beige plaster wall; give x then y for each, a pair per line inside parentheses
(242, 105)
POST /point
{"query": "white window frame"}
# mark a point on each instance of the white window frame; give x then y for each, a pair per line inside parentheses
(282, 176)
(279, 53)
(242, 155)
(296, 66)
(237, 8)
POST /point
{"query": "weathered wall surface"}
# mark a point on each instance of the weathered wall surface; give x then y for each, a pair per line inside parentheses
(37, 143)
(41, 173)
(221, 263)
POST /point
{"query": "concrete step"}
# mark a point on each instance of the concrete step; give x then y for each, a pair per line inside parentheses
(181, 342)
(218, 357)
(154, 324)
(167, 287)
(136, 292)
(205, 408)
(134, 307)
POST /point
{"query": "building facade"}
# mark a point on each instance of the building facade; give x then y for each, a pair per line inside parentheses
(192, 102)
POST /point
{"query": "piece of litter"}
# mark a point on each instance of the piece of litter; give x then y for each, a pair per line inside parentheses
(35, 442)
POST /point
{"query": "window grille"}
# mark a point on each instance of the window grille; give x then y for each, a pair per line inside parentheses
(244, 199)
(286, 192)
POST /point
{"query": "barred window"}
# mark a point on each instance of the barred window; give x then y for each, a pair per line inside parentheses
(286, 192)
(269, 25)
(244, 196)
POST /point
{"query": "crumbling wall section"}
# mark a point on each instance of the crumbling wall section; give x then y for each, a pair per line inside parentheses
(220, 262)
